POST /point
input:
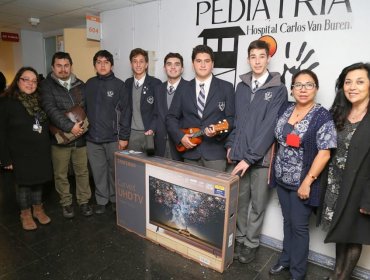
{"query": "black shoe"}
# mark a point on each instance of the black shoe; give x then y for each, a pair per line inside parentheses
(113, 205)
(99, 209)
(247, 255)
(237, 249)
(277, 269)
(86, 209)
(68, 212)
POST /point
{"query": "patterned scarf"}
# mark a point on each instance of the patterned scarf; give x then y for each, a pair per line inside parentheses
(31, 103)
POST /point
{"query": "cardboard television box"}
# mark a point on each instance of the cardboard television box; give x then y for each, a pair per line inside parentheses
(188, 209)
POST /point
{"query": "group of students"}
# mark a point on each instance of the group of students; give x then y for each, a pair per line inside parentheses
(318, 160)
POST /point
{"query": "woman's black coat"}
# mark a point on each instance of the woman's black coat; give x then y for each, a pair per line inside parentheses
(348, 224)
(28, 151)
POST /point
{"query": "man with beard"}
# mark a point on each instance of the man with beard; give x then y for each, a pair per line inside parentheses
(60, 91)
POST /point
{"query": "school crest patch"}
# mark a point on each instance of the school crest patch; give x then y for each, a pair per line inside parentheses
(221, 106)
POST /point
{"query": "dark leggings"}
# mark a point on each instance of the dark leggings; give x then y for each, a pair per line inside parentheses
(28, 195)
(347, 256)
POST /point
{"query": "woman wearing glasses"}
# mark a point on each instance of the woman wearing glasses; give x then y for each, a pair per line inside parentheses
(346, 207)
(25, 144)
(305, 133)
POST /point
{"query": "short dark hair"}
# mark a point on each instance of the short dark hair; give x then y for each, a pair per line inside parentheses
(341, 106)
(61, 55)
(103, 53)
(259, 44)
(139, 51)
(174, 55)
(305, 72)
(202, 49)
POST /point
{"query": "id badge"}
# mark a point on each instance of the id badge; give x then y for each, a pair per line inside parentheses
(293, 140)
(37, 128)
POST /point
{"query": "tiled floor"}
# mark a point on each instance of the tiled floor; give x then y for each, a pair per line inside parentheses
(95, 248)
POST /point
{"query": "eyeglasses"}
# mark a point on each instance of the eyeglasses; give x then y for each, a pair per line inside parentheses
(308, 86)
(28, 81)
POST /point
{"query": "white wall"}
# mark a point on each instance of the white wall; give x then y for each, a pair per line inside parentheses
(171, 25)
(33, 50)
(125, 29)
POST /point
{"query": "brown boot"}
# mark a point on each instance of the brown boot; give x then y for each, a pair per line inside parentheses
(39, 214)
(27, 221)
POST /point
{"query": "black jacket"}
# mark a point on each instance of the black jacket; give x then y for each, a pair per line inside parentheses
(56, 100)
(107, 108)
(220, 105)
(348, 224)
(146, 99)
(158, 124)
(28, 151)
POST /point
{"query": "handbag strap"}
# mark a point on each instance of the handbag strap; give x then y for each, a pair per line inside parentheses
(77, 95)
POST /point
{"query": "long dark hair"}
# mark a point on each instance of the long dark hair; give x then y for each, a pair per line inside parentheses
(341, 106)
(13, 89)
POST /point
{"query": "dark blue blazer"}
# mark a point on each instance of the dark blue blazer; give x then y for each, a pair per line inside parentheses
(220, 105)
(158, 124)
(147, 98)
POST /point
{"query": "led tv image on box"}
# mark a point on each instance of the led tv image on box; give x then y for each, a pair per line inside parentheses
(197, 216)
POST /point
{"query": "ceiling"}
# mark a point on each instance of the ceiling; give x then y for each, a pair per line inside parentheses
(55, 14)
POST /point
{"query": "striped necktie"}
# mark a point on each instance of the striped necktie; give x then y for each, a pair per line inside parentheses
(256, 84)
(201, 101)
(171, 90)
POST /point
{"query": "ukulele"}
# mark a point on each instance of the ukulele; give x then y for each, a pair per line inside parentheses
(196, 138)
